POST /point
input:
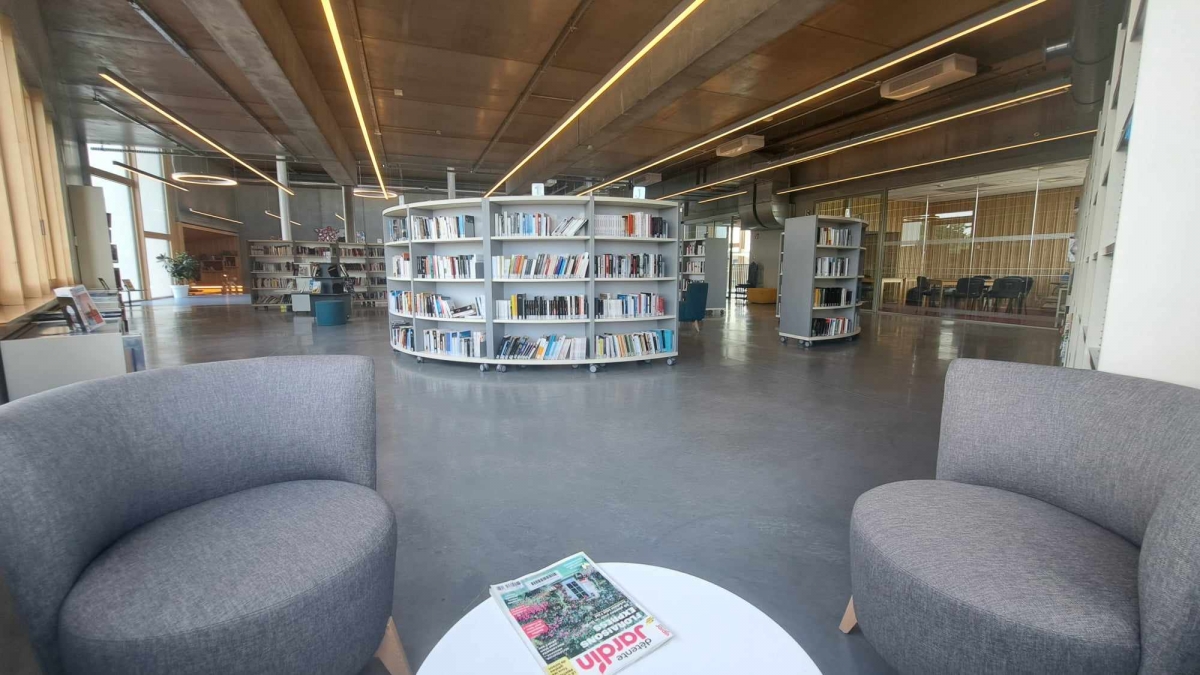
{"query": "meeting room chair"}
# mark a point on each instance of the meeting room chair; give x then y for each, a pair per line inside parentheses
(1006, 289)
(924, 293)
(187, 521)
(739, 291)
(1060, 534)
(695, 301)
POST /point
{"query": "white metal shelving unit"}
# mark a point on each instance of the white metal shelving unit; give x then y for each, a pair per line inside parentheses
(798, 270)
(492, 289)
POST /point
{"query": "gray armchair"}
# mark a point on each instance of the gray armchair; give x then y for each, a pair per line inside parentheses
(217, 518)
(1062, 534)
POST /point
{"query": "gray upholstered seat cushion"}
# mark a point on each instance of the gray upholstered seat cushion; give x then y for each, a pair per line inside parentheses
(957, 578)
(294, 577)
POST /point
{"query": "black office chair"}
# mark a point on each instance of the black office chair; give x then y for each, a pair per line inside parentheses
(1028, 291)
(1009, 289)
(926, 289)
(739, 291)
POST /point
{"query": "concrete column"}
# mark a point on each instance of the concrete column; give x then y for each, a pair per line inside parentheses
(348, 211)
(450, 182)
(285, 209)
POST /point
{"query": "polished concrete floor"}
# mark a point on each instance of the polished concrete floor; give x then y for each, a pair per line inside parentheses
(739, 465)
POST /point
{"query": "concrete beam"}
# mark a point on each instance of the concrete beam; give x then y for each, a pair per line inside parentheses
(714, 37)
(256, 35)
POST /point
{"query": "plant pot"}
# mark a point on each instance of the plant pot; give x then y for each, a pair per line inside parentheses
(180, 291)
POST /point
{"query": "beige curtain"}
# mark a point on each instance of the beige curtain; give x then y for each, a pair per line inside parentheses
(35, 251)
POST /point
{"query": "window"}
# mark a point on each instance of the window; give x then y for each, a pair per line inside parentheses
(152, 194)
(118, 202)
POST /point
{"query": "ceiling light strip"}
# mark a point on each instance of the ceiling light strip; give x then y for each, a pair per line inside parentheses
(341, 54)
(713, 199)
(882, 136)
(147, 174)
(340, 217)
(213, 215)
(597, 93)
(937, 161)
(276, 217)
(148, 102)
(975, 23)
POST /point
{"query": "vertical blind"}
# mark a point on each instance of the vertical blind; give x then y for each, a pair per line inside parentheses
(35, 252)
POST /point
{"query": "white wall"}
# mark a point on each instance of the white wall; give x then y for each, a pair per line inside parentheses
(764, 250)
(1152, 327)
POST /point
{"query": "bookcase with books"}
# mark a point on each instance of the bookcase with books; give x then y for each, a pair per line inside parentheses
(272, 273)
(704, 257)
(557, 280)
(820, 279)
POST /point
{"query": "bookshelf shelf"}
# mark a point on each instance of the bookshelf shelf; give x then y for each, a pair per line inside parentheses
(424, 317)
(489, 217)
(828, 244)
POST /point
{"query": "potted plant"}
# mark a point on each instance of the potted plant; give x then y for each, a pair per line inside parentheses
(183, 268)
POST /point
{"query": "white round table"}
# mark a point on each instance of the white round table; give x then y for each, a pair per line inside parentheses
(714, 630)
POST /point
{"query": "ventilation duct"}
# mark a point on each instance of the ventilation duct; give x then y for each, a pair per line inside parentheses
(761, 208)
(1092, 48)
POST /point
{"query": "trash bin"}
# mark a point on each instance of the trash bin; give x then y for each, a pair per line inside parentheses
(331, 310)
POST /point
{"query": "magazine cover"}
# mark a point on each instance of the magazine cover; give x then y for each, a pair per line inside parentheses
(78, 304)
(575, 619)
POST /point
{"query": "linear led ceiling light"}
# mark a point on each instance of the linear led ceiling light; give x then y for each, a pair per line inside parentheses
(867, 71)
(340, 217)
(362, 123)
(875, 138)
(213, 215)
(276, 217)
(203, 179)
(150, 103)
(937, 161)
(713, 199)
(600, 90)
(147, 174)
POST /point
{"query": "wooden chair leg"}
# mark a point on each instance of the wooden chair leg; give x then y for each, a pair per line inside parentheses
(849, 620)
(391, 652)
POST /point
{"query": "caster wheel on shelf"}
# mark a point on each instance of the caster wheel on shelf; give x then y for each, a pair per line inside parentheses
(782, 340)
(806, 345)
(671, 361)
(502, 369)
(420, 360)
(594, 368)
(575, 367)
(483, 367)
(646, 361)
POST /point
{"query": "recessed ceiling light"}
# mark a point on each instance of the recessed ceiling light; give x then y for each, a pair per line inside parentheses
(397, 92)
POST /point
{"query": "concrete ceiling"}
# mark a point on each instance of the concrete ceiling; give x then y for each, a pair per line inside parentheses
(444, 75)
(1050, 176)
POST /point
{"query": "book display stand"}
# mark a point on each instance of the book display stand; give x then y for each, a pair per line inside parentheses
(820, 293)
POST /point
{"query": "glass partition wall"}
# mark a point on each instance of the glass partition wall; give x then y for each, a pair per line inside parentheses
(983, 248)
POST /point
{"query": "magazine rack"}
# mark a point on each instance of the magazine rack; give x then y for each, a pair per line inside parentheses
(485, 245)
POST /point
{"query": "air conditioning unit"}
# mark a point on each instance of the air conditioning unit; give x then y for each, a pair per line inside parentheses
(647, 179)
(929, 77)
(740, 146)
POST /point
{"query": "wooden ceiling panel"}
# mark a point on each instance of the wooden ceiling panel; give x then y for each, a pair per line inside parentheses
(565, 83)
(894, 24)
(801, 58)
(517, 31)
(608, 31)
(391, 63)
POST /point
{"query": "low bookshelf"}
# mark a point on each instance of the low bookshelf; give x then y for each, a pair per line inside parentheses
(820, 293)
(533, 281)
(703, 257)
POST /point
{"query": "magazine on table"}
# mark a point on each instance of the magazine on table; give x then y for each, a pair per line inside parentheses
(576, 620)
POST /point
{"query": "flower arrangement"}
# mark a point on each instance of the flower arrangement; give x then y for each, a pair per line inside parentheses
(326, 234)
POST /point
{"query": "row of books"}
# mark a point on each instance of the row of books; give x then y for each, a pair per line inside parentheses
(441, 227)
(645, 343)
(517, 224)
(630, 265)
(540, 266)
(434, 305)
(631, 225)
(397, 229)
(833, 267)
(376, 251)
(402, 336)
(832, 297)
(376, 281)
(693, 266)
(521, 306)
(833, 236)
(273, 267)
(693, 248)
(545, 348)
(352, 252)
(629, 305)
(402, 266)
(315, 251)
(271, 249)
(467, 343)
(832, 327)
(272, 300)
(368, 296)
(376, 267)
(447, 267)
(275, 282)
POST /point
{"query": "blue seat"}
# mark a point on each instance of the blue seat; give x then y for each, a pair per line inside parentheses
(695, 299)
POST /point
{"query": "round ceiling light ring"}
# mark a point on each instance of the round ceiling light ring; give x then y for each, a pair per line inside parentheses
(203, 179)
(373, 193)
